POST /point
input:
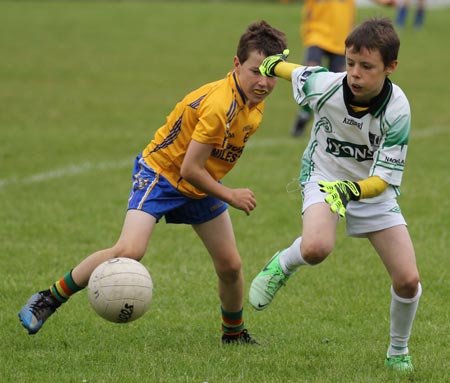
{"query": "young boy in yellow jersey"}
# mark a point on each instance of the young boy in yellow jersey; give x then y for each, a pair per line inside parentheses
(177, 176)
(356, 156)
(325, 24)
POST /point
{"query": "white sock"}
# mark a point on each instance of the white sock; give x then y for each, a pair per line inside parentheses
(291, 259)
(403, 311)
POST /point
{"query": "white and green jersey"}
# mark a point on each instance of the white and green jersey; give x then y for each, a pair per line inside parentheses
(348, 145)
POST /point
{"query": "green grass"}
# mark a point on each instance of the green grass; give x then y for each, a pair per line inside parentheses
(83, 87)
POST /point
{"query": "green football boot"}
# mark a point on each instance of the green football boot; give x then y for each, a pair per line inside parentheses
(401, 363)
(267, 283)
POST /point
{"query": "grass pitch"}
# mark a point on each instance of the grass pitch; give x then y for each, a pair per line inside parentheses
(83, 87)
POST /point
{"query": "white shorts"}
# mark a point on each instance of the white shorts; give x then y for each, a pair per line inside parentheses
(361, 218)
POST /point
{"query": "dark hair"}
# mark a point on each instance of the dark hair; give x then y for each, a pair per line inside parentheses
(376, 33)
(262, 37)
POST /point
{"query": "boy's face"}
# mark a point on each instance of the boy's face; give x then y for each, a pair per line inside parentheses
(366, 73)
(255, 86)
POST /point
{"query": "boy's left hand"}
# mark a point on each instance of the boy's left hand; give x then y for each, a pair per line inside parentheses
(339, 194)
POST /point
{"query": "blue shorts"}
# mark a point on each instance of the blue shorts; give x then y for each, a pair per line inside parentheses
(152, 193)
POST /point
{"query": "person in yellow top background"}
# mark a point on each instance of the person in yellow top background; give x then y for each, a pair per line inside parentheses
(177, 176)
(324, 26)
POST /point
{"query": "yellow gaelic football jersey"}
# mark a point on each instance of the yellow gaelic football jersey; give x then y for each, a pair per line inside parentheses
(327, 23)
(215, 114)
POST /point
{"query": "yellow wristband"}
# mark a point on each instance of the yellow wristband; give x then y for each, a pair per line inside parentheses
(285, 69)
(372, 186)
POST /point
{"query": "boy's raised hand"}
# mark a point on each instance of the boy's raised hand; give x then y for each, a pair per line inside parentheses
(267, 67)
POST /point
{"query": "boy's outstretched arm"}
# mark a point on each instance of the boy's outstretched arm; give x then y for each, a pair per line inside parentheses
(276, 65)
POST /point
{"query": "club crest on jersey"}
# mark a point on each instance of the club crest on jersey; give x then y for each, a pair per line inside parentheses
(324, 124)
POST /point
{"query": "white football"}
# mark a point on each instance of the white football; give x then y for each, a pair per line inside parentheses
(120, 290)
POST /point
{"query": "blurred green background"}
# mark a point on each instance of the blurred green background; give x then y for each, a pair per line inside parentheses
(83, 87)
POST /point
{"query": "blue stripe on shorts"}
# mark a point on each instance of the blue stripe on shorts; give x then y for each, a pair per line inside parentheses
(151, 192)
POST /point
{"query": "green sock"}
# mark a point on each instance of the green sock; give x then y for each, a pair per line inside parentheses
(232, 322)
(63, 288)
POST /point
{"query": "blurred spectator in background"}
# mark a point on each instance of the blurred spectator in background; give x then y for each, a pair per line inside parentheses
(324, 26)
(402, 13)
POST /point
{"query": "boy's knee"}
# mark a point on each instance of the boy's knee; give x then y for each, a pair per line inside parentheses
(127, 251)
(230, 272)
(315, 252)
(407, 287)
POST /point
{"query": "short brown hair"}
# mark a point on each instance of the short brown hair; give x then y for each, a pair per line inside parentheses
(376, 33)
(262, 37)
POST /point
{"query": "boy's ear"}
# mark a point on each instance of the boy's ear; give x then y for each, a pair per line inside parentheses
(236, 62)
(391, 67)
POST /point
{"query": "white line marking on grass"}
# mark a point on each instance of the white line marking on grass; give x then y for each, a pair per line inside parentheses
(70, 170)
(85, 167)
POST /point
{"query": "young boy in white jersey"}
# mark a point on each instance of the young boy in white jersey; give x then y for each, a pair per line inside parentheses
(177, 176)
(356, 156)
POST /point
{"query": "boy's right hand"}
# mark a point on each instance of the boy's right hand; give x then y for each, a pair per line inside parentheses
(267, 67)
(243, 199)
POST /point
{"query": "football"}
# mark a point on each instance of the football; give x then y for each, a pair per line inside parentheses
(120, 290)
